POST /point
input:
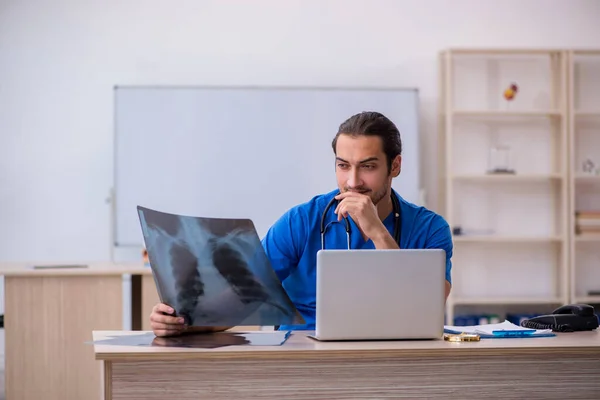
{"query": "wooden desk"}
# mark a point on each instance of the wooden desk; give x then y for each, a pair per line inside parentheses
(562, 367)
(49, 315)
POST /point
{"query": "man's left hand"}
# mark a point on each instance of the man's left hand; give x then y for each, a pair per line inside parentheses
(363, 212)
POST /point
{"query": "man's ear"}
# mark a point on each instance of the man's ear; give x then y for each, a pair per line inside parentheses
(396, 166)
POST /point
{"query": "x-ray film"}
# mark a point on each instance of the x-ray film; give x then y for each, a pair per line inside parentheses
(214, 271)
(199, 340)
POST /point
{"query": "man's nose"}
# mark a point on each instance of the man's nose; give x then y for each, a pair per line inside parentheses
(353, 178)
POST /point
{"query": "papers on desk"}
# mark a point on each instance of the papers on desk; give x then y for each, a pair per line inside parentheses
(504, 329)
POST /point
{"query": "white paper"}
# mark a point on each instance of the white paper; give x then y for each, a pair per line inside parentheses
(488, 329)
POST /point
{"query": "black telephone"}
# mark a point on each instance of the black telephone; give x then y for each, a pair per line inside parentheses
(569, 318)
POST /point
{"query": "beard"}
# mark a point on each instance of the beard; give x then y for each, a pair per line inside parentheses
(375, 197)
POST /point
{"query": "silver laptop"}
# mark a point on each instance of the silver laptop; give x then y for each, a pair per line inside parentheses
(380, 294)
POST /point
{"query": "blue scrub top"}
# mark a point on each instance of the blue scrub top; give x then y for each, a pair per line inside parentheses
(293, 241)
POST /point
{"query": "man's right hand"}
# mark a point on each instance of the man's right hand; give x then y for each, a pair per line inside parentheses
(163, 323)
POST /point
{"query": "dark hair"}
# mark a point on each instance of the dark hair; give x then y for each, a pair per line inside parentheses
(371, 123)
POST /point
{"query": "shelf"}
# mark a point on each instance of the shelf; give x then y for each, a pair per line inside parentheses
(587, 238)
(587, 178)
(584, 98)
(505, 239)
(515, 244)
(506, 301)
(519, 246)
(584, 52)
(587, 114)
(491, 52)
(505, 113)
(588, 299)
(507, 178)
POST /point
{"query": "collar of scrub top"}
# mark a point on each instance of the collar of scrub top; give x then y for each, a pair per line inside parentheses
(395, 209)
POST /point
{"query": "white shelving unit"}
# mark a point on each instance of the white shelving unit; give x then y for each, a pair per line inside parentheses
(584, 143)
(511, 230)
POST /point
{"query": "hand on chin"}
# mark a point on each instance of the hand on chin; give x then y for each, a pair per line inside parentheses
(360, 207)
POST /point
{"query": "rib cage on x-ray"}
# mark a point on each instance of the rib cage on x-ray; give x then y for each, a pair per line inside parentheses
(231, 265)
(214, 272)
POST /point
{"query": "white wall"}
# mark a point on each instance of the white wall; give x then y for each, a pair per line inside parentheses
(59, 61)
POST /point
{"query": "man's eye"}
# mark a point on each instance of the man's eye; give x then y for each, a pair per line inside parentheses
(368, 166)
(343, 165)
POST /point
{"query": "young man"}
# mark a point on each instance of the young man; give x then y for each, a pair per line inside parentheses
(368, 157)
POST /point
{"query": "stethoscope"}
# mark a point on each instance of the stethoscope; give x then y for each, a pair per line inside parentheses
(397, 221)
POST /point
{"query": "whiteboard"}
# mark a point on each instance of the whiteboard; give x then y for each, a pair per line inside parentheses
(240, 152)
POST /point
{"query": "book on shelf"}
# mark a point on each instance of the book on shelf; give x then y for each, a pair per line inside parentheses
(587, 222)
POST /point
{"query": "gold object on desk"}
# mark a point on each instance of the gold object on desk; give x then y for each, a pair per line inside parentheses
(462, 337)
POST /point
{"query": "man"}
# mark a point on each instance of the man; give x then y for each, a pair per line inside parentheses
(367, 152)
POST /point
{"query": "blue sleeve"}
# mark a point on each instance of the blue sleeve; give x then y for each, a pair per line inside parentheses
(281, 243)
(440, 237)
